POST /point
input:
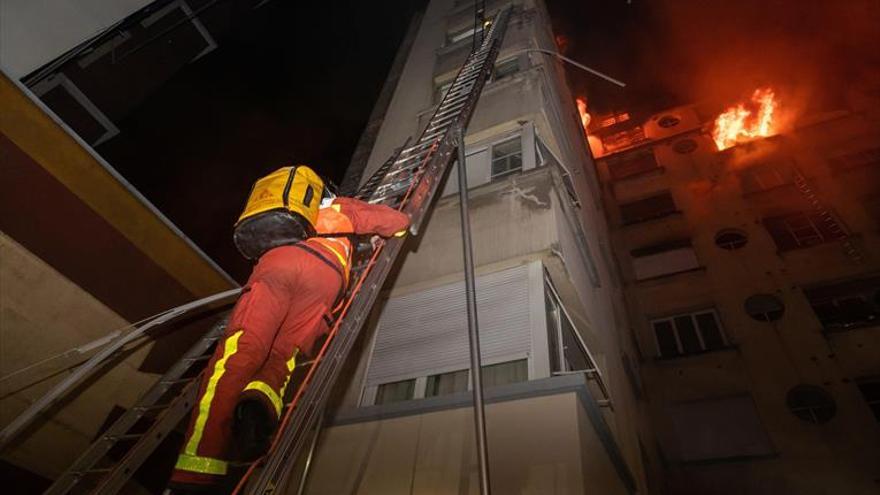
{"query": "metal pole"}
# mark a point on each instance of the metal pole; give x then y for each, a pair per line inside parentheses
(473, 329)
(308, 466)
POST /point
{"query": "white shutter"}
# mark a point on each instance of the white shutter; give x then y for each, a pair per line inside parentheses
(425, 333)
(666, 262)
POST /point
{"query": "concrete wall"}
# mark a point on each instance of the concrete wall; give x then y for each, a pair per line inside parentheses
(44, 314)
(540, 445)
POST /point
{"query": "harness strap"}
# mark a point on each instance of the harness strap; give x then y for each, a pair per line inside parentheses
(334, 266)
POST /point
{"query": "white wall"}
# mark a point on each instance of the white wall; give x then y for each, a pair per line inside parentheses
(33, 32)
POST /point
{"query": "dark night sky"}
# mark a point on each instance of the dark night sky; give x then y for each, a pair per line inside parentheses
(297, 81)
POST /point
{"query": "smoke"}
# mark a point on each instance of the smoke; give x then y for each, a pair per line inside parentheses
(717, 52)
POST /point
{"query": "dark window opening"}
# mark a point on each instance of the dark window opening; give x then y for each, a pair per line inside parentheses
(801, 230)
(389, 393)
(764, 307)
(657, 206)
(871, 392)
(506, 158)
(689, 333)
(731, 239)
(765, 177)
(811, 403)
(685, 146)
(866, 158)
(668, 121)
(633, 165)
(447, 383)
(846, 305)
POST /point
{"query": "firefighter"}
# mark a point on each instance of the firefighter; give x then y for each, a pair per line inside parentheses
(284, 307)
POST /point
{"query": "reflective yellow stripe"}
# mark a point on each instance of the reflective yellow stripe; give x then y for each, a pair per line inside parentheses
(337, 208)
(229, 348)
(400, 234)
(275, 398)
(198, 464)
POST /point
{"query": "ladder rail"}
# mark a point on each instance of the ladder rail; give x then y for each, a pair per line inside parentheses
(94, 363)
(117, 431)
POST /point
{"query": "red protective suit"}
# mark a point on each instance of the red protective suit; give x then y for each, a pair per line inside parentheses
(281, 312)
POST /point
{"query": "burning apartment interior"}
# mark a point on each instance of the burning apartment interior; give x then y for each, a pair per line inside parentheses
(676, 279)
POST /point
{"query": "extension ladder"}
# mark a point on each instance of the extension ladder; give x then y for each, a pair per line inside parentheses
(834, 225)
(407, 181)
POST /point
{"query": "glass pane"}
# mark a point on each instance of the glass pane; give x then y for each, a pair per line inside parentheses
(447, 383)
(505, 373)
(505, 148)
(709, 330)
(665, 338)
(575, 358)
(389, 393)
(687, 334)
(553, 332)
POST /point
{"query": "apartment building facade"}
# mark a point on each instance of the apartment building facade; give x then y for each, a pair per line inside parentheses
(753, 285)
(558, 363)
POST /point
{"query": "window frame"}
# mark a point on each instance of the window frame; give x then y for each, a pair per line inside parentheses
(698, 330)
(492, 158)
(785, 222)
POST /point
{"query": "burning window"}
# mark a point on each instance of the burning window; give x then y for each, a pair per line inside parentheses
(633, 164)
(846, 305)
(800, 230)
(746, 121)
(624, 139)
(689, 333)
(649, 208)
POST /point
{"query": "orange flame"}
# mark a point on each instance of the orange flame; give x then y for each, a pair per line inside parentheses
(746, 122)
(582, 110)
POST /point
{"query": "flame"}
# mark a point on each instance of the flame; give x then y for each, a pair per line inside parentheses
(582, 110)
(746, 122)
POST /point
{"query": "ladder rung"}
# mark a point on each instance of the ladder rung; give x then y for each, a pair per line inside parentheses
(92, 471)
(127, 436)
(154, 407)
(179, 380)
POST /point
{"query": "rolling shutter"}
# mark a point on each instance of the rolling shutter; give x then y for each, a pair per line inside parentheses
(425, 333)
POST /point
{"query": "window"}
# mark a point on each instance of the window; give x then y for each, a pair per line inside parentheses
(543, 157)
(664, 259)
(685, 146)
(447, 383)
(457, 35)
(657, 206)
(719, 428)
(505, 373)
(389, 393)
(668, 121)
(632, 165)
(505, 68)
(811, 403)
(871, 392)
(870, 157)
(800, 230)
(731, 239)
(764, 307)
(846, 305)
(567, 351)
(624, 139)
(506, 158)
(689, 333)
(763, 177)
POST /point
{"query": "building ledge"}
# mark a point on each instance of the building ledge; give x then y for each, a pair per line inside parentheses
(670, 360)
(700, 269)
(730, 460)
(504, 393)
(673, 214)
